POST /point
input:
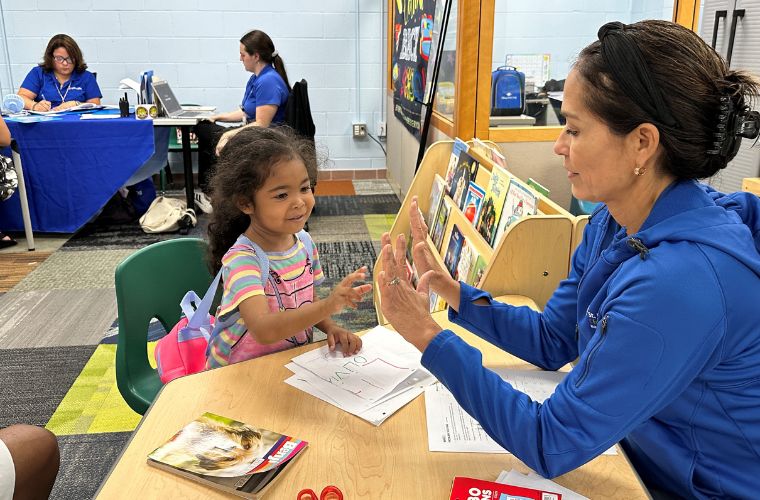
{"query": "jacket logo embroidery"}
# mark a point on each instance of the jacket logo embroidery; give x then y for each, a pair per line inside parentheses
(592, 319)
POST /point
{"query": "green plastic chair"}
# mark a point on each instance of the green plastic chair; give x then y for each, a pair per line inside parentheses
(150, 283)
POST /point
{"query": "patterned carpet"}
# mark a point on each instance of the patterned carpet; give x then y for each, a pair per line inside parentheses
(58, 325)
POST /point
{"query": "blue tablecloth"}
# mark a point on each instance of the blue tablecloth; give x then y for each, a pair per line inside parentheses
(72, 167)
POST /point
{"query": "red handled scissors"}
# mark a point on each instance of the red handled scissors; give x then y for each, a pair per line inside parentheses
(328, 493)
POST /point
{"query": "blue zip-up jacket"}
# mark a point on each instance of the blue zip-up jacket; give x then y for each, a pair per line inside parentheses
(666, 326)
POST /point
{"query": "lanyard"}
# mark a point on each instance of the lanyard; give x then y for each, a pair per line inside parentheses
(62, 96)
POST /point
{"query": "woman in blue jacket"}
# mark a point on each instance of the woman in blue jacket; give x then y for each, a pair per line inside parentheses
(661, 305)
(61, 80)
(263, 104)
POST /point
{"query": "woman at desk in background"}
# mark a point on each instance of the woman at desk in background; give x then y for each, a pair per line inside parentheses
(660, 307)
(263, 104)
(61, 80)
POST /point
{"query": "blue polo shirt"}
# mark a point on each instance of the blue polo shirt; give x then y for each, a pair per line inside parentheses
(266, 88)
(81, 86)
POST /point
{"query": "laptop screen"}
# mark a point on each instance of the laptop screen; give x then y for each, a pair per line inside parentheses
(167, 97)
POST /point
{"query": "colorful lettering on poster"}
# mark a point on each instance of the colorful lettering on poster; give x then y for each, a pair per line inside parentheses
(409, 38)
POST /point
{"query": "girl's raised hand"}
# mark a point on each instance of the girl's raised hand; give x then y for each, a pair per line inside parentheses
(345, 294)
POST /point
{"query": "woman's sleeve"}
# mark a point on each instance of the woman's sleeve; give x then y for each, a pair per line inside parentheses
(652, 342)
(91, 87)
(268, 93)
(33, 81)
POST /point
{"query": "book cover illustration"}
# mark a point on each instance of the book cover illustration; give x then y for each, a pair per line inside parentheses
(493, 202)
(472, 202)
(464, 173)
(477, 270)
(520, 201)
(228, 454)
(436, 194)
(467, 488)
(440, 224)
(451, 259)
(466, 256)
(459, 146)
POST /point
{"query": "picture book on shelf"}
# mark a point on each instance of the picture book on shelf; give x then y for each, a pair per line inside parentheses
(223, 453)
(465, 171)
(459, 146)
(490, 152)
(477, 270)
(466, 258)
(440, 224)
(493, 202)
(467, 488)
(436, 193)
(472, 202)
(520, 201)
(451, 258)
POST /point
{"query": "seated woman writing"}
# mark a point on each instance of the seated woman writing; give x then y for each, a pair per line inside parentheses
(61, 80)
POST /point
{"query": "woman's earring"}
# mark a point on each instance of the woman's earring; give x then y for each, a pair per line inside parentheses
(639, 171)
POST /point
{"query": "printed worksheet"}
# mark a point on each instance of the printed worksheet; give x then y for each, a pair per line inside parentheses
(451, 429)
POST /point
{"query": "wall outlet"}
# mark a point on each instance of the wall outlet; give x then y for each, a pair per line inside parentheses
(360, 130)
(381, 128)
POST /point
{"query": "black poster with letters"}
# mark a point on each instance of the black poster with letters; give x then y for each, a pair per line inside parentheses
(413, 45)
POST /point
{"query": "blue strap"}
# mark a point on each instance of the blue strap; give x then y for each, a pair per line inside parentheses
(198, 318)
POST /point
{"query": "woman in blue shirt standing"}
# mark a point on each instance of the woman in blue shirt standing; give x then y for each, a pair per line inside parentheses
(61, 80)
(263, 104)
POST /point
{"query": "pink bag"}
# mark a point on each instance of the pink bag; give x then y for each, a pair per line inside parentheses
(183, 350)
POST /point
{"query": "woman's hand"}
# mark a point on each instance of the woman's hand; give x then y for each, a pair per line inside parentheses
(345, 294)
(66, 105)
(424, 260)
(407, 309)
(41, 106)
(350, 343)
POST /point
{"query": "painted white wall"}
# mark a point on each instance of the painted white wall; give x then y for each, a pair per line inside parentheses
(194, 45)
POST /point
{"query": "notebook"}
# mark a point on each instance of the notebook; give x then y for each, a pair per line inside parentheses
(171, 105)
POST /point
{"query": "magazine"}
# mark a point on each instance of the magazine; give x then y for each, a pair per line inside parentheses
(520, 201)
(466, 488)
(226, 454)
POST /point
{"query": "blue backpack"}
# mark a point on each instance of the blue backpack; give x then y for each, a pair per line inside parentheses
(507, 92)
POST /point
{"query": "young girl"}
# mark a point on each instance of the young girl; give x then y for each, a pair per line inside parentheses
(261, 199)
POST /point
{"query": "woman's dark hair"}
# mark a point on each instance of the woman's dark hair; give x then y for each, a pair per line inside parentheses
(71, 47)
(691, 79)
(245, 163)
(258, 42)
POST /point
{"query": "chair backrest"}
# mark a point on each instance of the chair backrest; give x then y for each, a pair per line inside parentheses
(298, 110)
(150, 284)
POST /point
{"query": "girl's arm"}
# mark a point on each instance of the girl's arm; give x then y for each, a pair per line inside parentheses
(269, 327)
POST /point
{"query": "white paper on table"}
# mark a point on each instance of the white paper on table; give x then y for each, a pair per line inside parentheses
(350, 402)
(539, 385)
(384, 361)
(450, 428)
(375, 415)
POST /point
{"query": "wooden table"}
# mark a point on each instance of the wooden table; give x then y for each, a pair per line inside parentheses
(391, 461)
(752, 185)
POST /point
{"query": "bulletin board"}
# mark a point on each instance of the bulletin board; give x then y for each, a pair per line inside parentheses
(412, 47)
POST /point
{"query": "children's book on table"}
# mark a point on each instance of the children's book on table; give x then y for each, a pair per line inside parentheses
(467, 488)
(227, 454)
